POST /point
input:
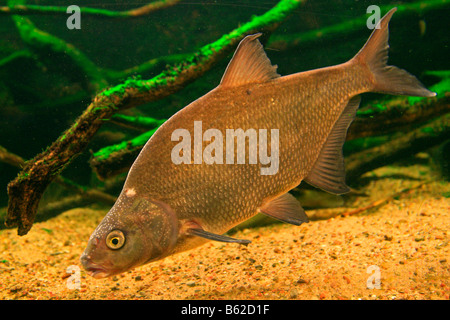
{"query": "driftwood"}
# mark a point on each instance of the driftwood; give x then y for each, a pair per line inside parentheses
(26, 190)
(10, 158)
(41, 41)
(405, 145)
(115, 159)
(83, 195)
(22, 9)
(315, 37)
(380, 202)
(43, 46)
(416, 134)
(397, 114)
(139, 123)
(340, 212)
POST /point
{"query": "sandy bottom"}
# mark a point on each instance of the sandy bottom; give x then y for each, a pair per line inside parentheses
(403, 242)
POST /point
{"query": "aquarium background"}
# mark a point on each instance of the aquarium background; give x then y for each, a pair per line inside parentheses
(44, 90)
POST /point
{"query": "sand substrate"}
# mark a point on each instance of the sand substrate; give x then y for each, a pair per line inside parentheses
(404, 242)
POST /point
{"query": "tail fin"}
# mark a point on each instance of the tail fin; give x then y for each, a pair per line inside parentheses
(388, 79)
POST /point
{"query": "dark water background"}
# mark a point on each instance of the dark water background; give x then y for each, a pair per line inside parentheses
(33, 113)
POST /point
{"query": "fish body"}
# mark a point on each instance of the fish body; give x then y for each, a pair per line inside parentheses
(167, 207)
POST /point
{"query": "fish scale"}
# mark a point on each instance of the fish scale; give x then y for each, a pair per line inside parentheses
(244, 181)
(168, 207)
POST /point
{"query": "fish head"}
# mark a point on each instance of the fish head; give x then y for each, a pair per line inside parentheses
(134, 232)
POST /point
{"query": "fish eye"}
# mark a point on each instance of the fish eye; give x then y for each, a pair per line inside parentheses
(115, 239)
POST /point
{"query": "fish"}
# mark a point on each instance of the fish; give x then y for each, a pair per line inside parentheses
(168, 206)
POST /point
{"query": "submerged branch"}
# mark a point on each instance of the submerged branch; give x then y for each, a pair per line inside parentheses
(22, 9)
(407, 144)
(26, 190)
(16, 55)
(380, 202)
(41, 41)
(137, 122)
(146, 66)
(112, 160)
(10, 158)
(46, 45)
(312, 37)
(115, 159)
(83, 195)
(401, 112)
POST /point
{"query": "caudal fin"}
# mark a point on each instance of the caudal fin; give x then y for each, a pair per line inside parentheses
(388, 79)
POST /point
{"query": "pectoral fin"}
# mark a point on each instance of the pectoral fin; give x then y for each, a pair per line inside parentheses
(199, 232)
(285, 208)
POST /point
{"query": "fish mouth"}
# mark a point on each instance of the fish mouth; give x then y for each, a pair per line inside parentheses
(93, 269)
(96, 271)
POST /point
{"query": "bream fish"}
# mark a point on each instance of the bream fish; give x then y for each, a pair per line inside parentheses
(166, 207)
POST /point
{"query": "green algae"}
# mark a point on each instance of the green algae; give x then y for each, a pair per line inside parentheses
(207, 52)
(140, 121)
(138, 141)
(16, 55)
(441, 88)
(19, 8)
(374, 109)
(37, 39)
(352, 25)
(360, 144)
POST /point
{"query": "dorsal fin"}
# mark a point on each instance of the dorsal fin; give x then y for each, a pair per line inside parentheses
(328, 172)
(249, 64)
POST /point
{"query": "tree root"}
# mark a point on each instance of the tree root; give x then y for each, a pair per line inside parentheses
(22, 9)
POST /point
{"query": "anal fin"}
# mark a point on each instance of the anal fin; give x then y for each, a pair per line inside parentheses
(285, 208)
(328, 172)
